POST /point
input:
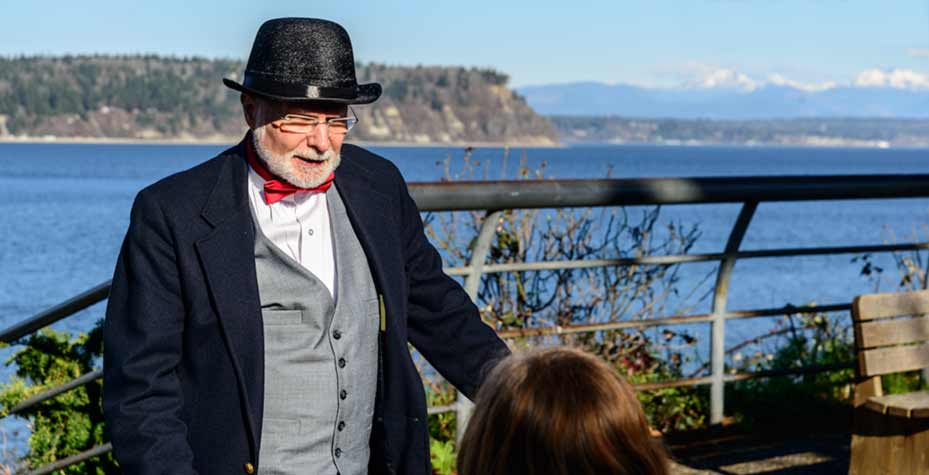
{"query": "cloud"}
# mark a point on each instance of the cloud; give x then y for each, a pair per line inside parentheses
(780, 80)
(724, 79)
(895, 78)
(918, 52)
(697, 75)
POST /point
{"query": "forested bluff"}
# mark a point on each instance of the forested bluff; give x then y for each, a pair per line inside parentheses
(150, 97)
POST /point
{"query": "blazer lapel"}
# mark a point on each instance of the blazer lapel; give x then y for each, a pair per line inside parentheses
(227, 256)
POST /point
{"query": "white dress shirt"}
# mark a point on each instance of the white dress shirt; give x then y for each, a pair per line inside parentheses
(299, 226)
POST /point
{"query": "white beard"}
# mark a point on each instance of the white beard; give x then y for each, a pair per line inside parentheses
(282, 165)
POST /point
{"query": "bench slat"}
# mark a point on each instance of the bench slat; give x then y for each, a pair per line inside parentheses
(894, 304)
(893, 332)
(911, 405)
(893, 359)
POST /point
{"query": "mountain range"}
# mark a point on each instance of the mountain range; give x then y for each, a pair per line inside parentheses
(769, 100)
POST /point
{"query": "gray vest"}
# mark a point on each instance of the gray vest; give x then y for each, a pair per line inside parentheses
(320, 360)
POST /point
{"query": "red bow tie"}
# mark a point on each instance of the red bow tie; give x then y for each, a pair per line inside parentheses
(274, 188)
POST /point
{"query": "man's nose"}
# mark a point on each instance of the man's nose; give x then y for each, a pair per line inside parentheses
(319, 138)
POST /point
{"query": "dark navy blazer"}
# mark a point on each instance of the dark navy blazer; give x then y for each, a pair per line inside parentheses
(183, 356)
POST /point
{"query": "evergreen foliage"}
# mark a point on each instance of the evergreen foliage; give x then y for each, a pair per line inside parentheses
(71, 422)
(148, 96)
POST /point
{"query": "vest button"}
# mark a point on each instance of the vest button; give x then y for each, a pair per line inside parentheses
(341, 425)
(343, 394)
(336, 334)
(249, 468)
(341, 362)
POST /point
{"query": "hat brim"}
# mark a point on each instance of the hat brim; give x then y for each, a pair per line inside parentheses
(364, 94)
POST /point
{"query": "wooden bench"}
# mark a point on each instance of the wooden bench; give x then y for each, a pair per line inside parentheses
(890, 433)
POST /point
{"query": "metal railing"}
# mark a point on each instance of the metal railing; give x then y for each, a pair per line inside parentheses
(495, 197)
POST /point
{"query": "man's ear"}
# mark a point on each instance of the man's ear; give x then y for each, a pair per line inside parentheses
(250, 109)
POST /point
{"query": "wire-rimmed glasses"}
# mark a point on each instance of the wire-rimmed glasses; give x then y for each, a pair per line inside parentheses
(305, 124)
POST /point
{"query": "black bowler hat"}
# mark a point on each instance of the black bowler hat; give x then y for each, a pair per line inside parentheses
(304, 60)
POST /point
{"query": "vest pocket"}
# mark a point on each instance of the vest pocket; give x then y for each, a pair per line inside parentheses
(281, 317)
(270, 425)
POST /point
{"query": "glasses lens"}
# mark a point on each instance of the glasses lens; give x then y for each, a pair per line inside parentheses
(341, 126)
(298, 125)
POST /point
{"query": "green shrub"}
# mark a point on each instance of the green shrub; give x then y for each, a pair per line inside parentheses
(443, 457)
(70, 423)
(442, 448)
(804, 339)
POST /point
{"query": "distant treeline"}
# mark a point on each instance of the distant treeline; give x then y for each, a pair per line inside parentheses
(153, 97)
(876, 132)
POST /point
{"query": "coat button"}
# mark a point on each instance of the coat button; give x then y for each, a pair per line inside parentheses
(338, 452)
(343, 394)
(341, 425)
(336, 334)
(341, 362)
(249, 469)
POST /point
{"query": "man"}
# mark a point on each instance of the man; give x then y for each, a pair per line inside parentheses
(263, 301)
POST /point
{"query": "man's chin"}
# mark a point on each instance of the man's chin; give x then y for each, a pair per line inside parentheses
(310, 178)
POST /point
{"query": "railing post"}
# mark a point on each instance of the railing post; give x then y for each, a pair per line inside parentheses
(720, 297)
(471, 285)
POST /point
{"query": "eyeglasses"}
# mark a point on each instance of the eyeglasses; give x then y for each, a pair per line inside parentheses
(304, 124)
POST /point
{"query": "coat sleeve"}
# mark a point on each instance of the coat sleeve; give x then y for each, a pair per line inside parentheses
(443, 323)
(142, 398)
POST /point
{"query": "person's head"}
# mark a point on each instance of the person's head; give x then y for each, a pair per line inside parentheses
(300, 71)
(292, 147)
(558, 411)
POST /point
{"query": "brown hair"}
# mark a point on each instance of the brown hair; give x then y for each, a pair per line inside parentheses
(558, 411)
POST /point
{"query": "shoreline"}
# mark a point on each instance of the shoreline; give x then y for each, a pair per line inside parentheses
(230, 141)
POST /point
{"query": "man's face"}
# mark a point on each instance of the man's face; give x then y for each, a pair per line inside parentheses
(304, 160)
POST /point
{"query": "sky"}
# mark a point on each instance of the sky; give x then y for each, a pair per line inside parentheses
(656, 43)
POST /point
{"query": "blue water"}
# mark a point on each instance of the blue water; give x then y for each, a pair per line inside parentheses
(64, 209)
